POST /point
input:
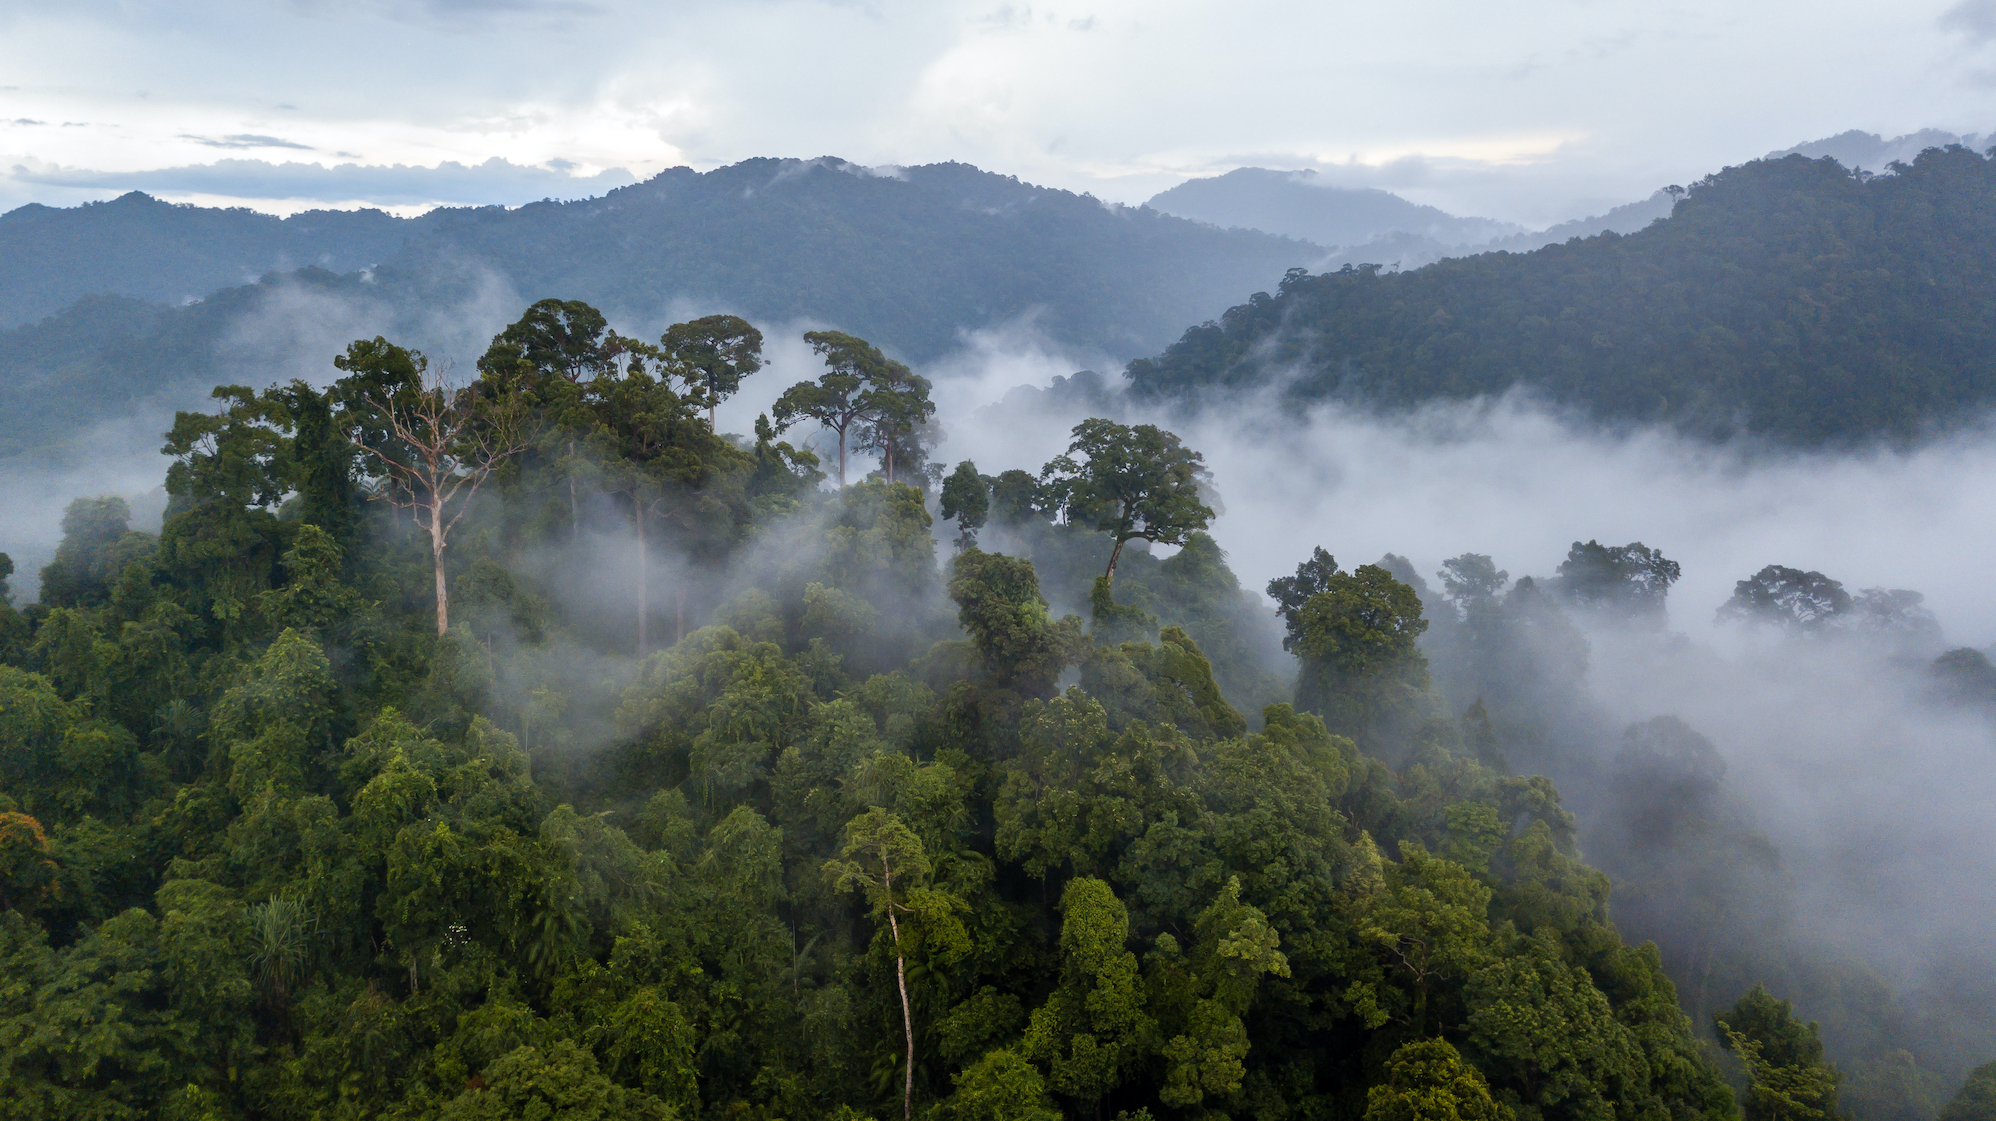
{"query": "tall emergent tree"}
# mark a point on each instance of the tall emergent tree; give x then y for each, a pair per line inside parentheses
(436, 444)
(1290, 593)
(1789, 598)
(711, 355)
(967, 498)
(1355, 635)
(902, 405)
(843, 398)
(550, 356)
(1632, 579)
(1131, 482)
(565, 339)
(654, 454)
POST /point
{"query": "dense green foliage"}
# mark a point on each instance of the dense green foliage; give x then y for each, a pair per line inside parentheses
(274, 847)
(1788, 298)
(872, 832)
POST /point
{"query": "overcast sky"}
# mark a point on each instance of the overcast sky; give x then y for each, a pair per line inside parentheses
(1530, 111)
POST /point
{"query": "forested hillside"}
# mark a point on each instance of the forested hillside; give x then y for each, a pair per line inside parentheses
(103, 357)
(524, 749)
(911, 260)
(139, 247)
(1791, 299)
(908, 259)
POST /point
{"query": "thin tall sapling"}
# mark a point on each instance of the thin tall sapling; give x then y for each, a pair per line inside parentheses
(879, 849)
(439, 446)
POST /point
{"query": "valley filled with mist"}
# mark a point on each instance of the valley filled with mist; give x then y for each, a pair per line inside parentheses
(807, 640)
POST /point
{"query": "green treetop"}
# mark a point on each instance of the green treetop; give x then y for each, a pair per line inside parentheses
(712, 355)
(1130, 482)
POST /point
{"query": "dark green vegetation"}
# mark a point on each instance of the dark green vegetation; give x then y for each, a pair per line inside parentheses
(361, 791)
(907, 261)
(1791, 299)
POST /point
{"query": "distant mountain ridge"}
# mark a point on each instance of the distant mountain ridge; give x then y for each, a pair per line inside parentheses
(1789, 299)
(140, 247)
(1371, 226)
(1874, 153)
(1295, 204)
(911, 259)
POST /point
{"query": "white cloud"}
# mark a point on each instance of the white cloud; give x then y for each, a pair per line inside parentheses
(1529, 112)
(1975, 19)
(494, 181)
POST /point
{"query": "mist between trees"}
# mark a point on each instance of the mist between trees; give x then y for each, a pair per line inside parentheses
(518, 744)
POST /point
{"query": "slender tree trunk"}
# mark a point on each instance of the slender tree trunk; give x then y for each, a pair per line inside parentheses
(644, 580)
(842, 459)
(890, 459)
(901, 978)
(574, 512)
(1115, 554)
(679, 612)
(710, 414)
(437, 561)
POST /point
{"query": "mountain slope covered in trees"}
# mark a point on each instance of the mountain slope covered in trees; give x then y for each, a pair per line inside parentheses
(911, 260)
(908, 259)
(139, 247)
(1791, 298)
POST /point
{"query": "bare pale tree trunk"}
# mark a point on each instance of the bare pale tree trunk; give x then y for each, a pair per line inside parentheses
(901, 978)
(574, 511)
(437, 561)
(890, 460)
(644, 581)
(679, 612)
(842, 459)
(444, 454)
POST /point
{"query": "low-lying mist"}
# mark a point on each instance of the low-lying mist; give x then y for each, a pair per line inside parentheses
(1871, 792)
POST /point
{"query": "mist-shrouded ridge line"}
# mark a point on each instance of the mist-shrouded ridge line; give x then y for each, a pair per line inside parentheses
(1873, 320)
(907, 258)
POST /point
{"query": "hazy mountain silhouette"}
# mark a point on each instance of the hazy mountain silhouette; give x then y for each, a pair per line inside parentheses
(1874, 318)
(1298, 204)
(1371, 226)
(138, 246)
(911, 259)
(1872, 152)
